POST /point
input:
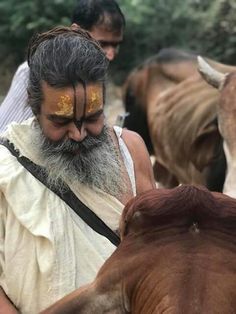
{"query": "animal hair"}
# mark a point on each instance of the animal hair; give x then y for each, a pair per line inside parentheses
(183, 205)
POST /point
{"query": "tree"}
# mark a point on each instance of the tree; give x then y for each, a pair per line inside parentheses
(203, 26)
(20, 19)
(206, 27)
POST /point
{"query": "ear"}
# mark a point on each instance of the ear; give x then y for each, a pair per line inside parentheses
(125, 219)
(204, 147)
(75, 26)
(35, 112)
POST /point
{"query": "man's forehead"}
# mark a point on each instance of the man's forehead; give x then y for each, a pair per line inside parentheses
(105, 32)
(66, 101)
(112, 22)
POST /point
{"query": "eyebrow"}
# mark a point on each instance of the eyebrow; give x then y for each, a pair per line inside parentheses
(55, 117)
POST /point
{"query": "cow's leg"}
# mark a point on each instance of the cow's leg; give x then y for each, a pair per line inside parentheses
(215, 172)
(230, 182)
(163, 176)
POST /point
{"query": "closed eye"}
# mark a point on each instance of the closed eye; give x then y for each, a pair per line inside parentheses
(58, 124)
(94, 117)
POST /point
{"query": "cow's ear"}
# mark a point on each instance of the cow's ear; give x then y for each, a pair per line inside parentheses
(204, 148)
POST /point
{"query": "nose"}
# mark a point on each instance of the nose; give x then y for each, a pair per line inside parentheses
(110, 53)
(76, 134)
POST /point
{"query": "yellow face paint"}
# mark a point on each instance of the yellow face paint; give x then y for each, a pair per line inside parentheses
(94, 98)
(65, 106)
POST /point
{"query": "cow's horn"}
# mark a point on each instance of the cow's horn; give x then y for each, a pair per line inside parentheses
(213, 77)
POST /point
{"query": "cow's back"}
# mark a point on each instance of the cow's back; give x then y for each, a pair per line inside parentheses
(195, 275)
(174, 110)
(176, 119)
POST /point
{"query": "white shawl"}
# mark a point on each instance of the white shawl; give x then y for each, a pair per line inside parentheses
(46, 250)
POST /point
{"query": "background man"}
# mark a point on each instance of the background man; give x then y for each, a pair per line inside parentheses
(46, 249)
(104, 21)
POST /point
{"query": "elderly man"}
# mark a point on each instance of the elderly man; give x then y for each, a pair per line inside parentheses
(46, 249)
(104, 21)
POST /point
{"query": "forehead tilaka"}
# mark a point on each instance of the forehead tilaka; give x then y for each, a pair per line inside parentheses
(77, 102)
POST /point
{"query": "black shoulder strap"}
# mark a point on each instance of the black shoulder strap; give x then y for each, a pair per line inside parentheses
(88, 216)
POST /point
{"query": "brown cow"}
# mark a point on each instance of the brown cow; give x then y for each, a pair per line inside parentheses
(226, 111)
(179, 110)
(177, 255)
(168, 68)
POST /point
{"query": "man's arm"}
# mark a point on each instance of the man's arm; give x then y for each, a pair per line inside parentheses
(142, 164)
(14, 106)
(6, 307)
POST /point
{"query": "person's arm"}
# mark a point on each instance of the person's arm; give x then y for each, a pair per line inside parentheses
(14, 106)
(82, 300)
(142, 164)
(6, 307)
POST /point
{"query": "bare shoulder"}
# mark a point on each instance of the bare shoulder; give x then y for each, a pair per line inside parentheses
(135, 144)
(132, 138)
(142, 164)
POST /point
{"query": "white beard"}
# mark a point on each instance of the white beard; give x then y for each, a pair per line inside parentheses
(94, 161)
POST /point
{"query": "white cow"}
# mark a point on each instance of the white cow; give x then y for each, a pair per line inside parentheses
(226, 112)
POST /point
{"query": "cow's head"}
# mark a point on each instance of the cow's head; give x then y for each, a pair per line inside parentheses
(152, 210)
(226, 83)
(226, 111)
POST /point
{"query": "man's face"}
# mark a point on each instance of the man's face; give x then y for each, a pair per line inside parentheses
(72, 113)
(72, 141)
(108, 39)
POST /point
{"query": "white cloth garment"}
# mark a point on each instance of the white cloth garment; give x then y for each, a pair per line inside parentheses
(46, 250)
(14, 106)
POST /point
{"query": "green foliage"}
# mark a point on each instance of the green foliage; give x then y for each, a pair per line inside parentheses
(220, 31)
(204, 26)
(207, 27)
(19, 19)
